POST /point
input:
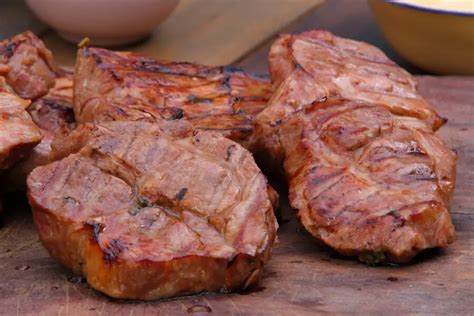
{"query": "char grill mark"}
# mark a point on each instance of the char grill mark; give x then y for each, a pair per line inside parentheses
(154, 216)
(366, 174)
(181, 194)
(221, 99)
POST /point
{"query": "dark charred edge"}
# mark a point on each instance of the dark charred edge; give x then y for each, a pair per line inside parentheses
(181, 193)
(115, 75)
(119, 111)
(9, 49)
(415, 150)
(113, 250)
(64, 110)
(69, 199)
(139, 205)
(229, 151)
(96, 229)
(176, 114)
(98, 59)
(195, 99)
(236, 100)
(226, 84)
(148, 64)
(398, 220)
(297, 65)
(277, 123)
(231, 261)
(167, 68)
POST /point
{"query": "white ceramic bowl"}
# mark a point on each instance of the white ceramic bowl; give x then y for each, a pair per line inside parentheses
(105, 22)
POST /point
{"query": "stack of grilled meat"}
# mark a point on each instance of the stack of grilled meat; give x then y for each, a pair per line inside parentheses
(141, 175)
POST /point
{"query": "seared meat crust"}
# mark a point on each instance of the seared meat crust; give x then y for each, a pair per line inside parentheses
(316, 65)
(18, 133)
(366, 174)
(154, 210)
(366, 184)
(54, 115)
(128, 86)
(26, 66)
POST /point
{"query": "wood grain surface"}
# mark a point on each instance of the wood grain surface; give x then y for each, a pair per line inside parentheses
(302, 277)
(212, 32)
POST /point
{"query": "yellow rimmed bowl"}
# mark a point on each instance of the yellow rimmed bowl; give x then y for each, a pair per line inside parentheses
(437, 40)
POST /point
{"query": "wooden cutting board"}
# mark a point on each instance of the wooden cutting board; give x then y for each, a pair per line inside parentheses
(212, 32)
(302, 277)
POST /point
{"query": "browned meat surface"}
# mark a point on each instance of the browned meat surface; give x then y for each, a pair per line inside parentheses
(366, 174)
(128, 86)
(54, 115)
(26, 66)
(18, 133)
(313, 65)
(148, 211)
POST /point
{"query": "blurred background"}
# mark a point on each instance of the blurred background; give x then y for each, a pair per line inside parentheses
(217, 32)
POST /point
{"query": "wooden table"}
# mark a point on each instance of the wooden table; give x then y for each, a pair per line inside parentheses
(302, 277)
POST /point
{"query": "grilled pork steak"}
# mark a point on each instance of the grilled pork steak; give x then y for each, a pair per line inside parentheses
(366, 173)
(315, 65)
(54, 115)
(127, 86)
(18, 133)
(26, 66)
(154, 210)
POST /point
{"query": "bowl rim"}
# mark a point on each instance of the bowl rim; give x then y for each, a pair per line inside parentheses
(428, 9)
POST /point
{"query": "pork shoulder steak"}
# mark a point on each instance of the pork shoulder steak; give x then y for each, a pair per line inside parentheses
(366, 174)
(129, 86)
(154, 210)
